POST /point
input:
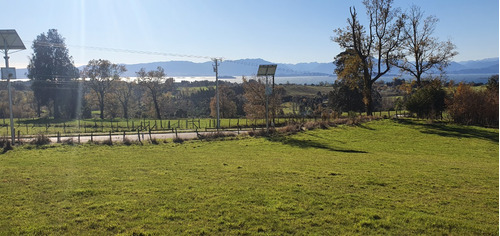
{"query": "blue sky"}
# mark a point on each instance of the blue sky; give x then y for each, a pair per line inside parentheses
(281, 31)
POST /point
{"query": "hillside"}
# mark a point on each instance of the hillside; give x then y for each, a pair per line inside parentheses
(248, 67)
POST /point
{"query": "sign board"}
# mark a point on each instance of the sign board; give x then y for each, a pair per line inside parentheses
(10, 71)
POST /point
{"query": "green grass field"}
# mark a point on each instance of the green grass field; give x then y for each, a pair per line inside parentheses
(310, 91)
(383, 177)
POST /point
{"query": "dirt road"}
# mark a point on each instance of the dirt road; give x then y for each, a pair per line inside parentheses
(132, 137)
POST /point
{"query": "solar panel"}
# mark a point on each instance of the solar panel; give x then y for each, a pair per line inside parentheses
(266, 70)
(9, 39)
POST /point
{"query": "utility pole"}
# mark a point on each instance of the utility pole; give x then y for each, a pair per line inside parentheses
(12, 130)
(9, 39)
(216, 70)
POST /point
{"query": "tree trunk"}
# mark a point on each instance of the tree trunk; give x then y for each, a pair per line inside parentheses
(101, 105)
(39, 108)
(157, 107)
(367, 99)
(125, 111)
(367, 89)
(57, 114)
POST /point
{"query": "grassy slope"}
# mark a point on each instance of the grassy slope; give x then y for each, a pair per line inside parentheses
(383, 177)
(302, 90)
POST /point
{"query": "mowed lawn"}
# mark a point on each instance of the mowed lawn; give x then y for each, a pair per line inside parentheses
(382, 177)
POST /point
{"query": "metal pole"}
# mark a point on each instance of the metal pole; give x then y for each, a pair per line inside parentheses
(267, 106)
(274, 104)
(12, 132)
(216, 69)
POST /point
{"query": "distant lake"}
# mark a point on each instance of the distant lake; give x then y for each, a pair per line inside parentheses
(476, 78)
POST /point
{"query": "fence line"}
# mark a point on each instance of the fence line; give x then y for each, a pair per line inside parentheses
(29, 127)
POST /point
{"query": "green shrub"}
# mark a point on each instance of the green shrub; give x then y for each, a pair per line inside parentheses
(428, 101)
(41, 139)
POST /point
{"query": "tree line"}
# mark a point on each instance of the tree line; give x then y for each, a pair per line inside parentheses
(61, 91)
(392, 39)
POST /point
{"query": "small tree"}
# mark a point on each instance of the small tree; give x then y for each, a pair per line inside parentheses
(475, 107)
(102, 73)
(156, 83)
(429, 101)
(255, 99)
(124, 94)
(227, 104)
(255, 106)
(345, 98)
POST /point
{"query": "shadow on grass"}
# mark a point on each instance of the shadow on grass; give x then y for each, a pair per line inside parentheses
(309, 144)
(364, 127)
(456, 131)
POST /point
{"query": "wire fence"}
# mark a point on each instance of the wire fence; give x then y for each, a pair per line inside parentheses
(32, 127)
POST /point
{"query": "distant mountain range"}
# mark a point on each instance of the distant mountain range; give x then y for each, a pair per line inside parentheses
(249, 67)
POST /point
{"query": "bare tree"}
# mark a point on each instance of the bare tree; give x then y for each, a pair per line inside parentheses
(102, 73)
(377, 48)
(421, 51)
(124, 93)
(255, 99)
(156, 82)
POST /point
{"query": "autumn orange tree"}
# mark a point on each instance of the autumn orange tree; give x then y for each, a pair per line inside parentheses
(227, 104)
(475, 107)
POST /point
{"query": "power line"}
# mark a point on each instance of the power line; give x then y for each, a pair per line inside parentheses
(169, 54)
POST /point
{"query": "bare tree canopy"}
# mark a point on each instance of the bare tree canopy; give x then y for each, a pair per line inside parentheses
(375, 45)
(420, 50)
(102, 73)
(156, 83)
